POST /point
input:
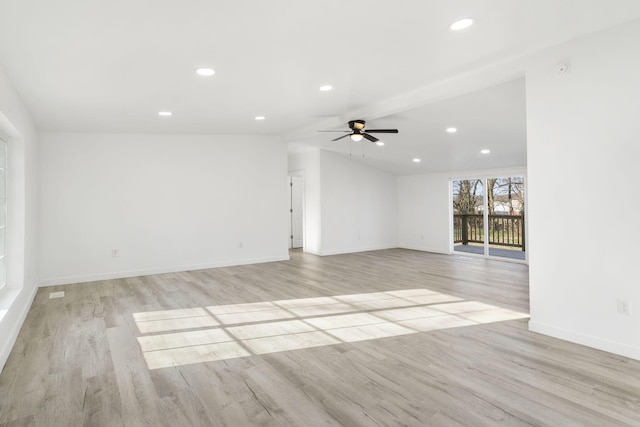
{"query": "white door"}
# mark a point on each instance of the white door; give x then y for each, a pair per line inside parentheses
(296, 185)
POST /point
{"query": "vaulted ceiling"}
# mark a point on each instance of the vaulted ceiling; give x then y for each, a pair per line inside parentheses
(111, 66)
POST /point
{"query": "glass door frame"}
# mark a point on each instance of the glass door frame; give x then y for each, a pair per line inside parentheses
(484, 176)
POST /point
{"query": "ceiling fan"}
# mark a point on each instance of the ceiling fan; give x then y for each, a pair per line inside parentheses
(357, 132)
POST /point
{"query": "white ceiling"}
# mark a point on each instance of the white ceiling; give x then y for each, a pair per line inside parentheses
(493, 118)
(110, 66)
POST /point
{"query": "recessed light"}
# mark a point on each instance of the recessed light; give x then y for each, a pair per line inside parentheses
(260, 117)
(165, 113)
(452, 130)
(416, 160)
(485, 151)
(379, 143)
(326, 88)
(207, 72)
(461, 24)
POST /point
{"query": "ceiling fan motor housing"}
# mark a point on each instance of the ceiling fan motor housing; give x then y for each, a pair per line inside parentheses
(356, 125)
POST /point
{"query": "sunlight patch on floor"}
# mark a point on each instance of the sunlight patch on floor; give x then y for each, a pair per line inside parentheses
(242, 330)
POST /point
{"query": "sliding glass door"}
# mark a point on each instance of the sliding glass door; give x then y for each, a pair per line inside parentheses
(488, 216)
(505, 209)
(468, 218)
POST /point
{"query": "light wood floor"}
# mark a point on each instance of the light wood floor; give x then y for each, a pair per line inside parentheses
(388, 338)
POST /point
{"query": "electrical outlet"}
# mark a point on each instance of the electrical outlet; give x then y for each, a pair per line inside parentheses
(623, 307)
(240, 245)
(115, 253)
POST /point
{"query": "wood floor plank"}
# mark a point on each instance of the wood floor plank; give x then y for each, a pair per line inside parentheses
(20, 422)
(102, 405)
(381, 338)
(139, 401)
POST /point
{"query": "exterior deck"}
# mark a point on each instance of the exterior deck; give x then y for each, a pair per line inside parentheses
(499, 252)
(505, 231)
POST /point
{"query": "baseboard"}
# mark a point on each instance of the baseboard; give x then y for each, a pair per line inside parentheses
(586, 340)
(356, 250)
(9, 341)
(147, 272)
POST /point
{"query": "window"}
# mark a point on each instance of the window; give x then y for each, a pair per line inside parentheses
(3, 212)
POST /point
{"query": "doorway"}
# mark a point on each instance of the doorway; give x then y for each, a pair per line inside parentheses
(488, 217)
(296, 209)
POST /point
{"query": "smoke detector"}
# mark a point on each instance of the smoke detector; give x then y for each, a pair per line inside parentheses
(560, 69)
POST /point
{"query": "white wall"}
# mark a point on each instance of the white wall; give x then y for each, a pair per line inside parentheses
(359, 206)
(423, 212)
(583, 152)
(166, 202)
(16, 297)
(349, 206)
(424, 207)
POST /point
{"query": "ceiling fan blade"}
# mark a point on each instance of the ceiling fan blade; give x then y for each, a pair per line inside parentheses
(343, 136)
(369, 137)
(382, 130)
(334, 131)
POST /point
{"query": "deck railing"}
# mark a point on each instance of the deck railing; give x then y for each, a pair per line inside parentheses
(504, 230)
